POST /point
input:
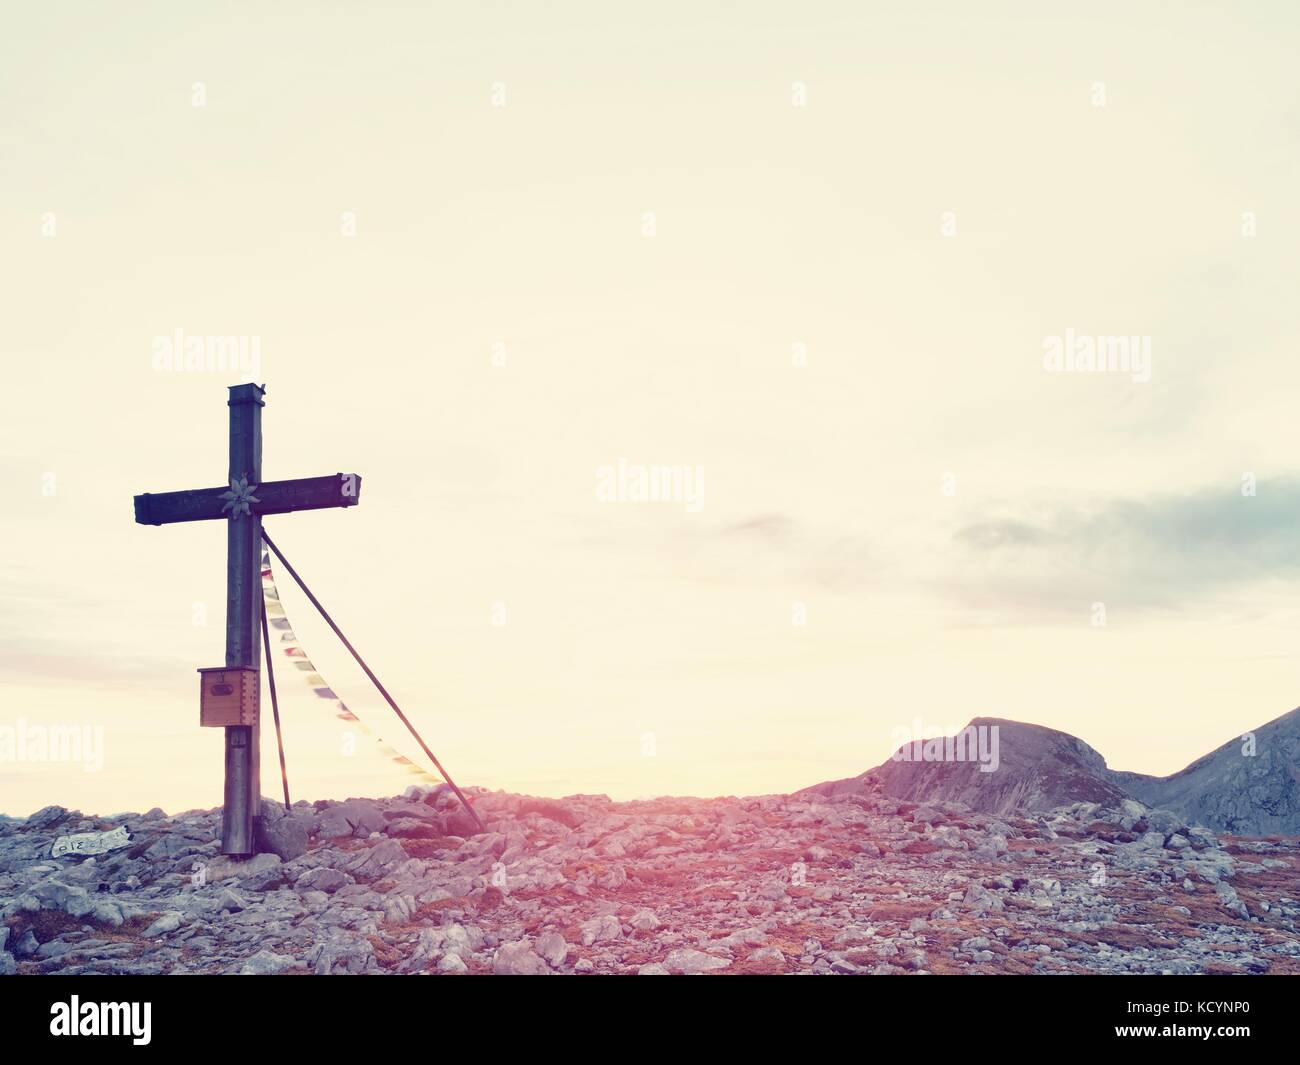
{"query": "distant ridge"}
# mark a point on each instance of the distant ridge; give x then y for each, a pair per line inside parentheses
(1231, 791)
(1040, 769)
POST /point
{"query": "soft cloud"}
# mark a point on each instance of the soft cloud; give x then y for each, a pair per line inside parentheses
(1167, 552)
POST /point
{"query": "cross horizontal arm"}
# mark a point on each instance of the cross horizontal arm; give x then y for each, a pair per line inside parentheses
(273, 497)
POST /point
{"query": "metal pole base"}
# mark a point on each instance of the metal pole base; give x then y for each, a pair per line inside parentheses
(237, 828)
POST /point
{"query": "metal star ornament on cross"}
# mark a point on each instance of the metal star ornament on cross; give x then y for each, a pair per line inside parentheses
(239, 497)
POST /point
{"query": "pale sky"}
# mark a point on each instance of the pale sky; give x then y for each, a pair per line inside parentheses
(652, 235)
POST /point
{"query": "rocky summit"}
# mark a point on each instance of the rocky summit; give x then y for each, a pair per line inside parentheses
(1031, 768)
(853, 882)
(1250, 786)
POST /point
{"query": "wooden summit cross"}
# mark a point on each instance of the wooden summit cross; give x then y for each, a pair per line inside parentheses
(242, 505)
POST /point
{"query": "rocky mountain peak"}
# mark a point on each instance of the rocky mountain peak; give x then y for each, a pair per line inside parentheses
(1249, 786)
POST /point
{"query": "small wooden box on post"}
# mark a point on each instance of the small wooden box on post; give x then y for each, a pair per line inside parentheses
(228, 697)
(243, 504)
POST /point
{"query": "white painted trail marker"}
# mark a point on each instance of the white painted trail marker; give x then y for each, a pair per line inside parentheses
(91, 842)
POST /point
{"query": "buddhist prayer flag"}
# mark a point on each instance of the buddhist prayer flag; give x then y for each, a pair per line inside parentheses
(316, 682)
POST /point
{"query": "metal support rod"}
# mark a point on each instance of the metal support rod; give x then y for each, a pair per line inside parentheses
(275, 706)
(374, 680)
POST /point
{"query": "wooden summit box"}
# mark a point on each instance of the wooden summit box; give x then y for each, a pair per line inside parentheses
(228, 696)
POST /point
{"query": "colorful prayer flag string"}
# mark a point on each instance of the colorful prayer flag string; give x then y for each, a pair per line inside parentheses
(292, 650)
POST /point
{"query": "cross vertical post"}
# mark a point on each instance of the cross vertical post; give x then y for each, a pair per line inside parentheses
(242, 504)
(243, 786)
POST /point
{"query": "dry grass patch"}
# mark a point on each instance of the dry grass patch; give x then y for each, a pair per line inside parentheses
(902, 911)
(46, 925)
(388, 955)
(429, 848)
(769, 967)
